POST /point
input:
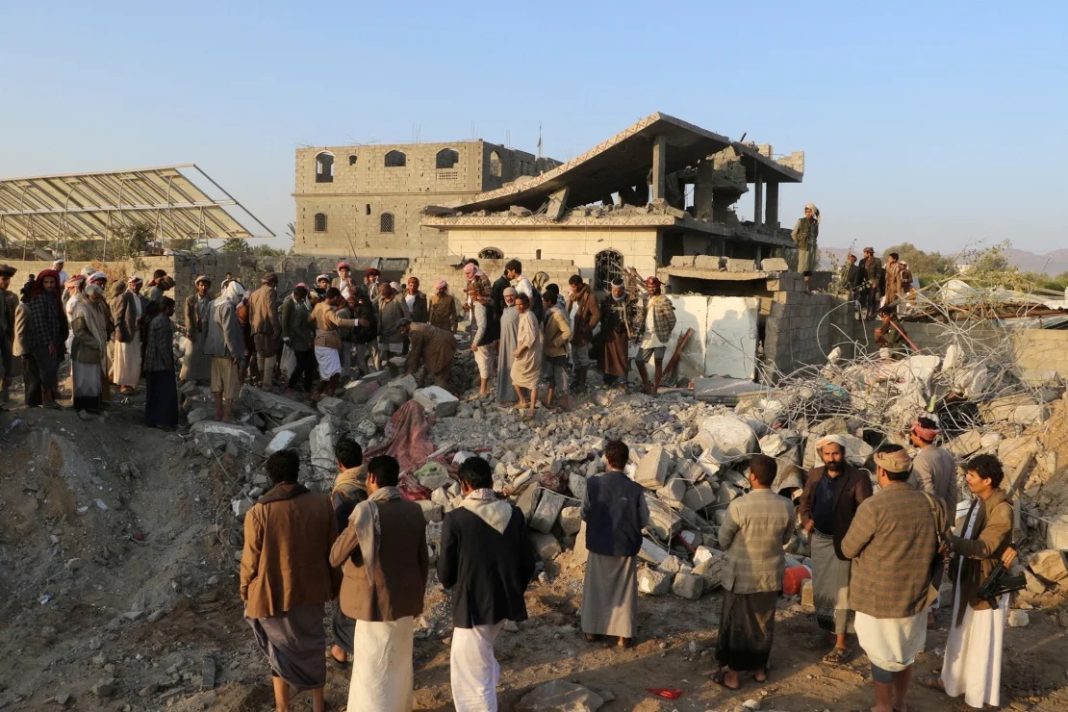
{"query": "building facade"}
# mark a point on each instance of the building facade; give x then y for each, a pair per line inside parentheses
(368, 200)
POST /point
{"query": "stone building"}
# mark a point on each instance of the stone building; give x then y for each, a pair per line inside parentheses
(368, 200)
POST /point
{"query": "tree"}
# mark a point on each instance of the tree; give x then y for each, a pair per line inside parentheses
(235, 244)
(928, 266)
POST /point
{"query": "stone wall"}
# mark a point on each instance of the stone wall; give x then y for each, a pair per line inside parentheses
(801, 328)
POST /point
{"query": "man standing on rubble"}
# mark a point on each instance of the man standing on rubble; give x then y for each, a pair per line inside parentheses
(872, 282)
(509, 331)
(350, 488)
(615, 511)
(384, 562)
(487, 562)
(892, 541)
(328, 342)
(585, 316)
(226, 346)
(286, 579)
(828, 504)
(266, 329)
(753, 534)
(934, 471)
(196, 366)
(658, 321)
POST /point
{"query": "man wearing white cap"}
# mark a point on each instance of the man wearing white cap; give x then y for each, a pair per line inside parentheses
(57, 265)
(128, 313)
(226, 345)
(828, 504)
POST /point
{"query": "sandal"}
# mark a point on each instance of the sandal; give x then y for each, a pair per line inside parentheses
(720, 678)
(838, 656)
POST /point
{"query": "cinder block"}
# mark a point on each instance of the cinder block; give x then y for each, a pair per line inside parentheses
(709, 262)
(654, 583)
(653, 468)
(739, 265)
(774, 264)
(688, 586)
(547, 511)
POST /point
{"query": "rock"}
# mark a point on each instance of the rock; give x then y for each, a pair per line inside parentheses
(431, 512)
(670, 565)
(1018, 619)
(699, 496)
(198, 414)
(547, 511)
(774, 264)
(62, 698)
(301, 428)
(382, 411)
(1049, 564)
(244, 434)
(105, 689)
(207, 673)
(577, 484)
(653, 468)
(653, 583)
(1057, 533)
(361, 391)
(328, 405)
(407, 383)
(560, 696)
(433, 475)
(724, 438)
(366, 429)
(322, 439)
(546, 545)
(688, 586)
(652, 552)
(571, 519)
(280, 442)
(437, 401)
(278, 407)
(673, 492)
(663, 521)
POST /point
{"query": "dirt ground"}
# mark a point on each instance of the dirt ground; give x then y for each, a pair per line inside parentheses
(119, 592)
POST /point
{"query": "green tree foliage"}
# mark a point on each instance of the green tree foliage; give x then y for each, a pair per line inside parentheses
(235, 244)
(928, 266)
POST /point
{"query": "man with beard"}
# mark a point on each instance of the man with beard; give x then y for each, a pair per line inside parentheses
(226, 345)
(40, 334)
(328, 342)
(91, 324)
(266, 330)
(128, 315)
(828, 504)
(197, 367)
(509, 331)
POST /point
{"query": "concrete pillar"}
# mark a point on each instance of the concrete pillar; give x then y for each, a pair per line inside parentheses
(659, 168)
(758, 207)
(771, 214)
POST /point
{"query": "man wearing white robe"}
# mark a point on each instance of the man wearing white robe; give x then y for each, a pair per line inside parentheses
(128, 315)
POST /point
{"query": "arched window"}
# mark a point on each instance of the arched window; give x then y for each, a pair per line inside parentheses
(324, 167)
(495, 164)
(352, 159)
(446, 158)
(607, 265)
(490, 253)
(396, 159)
(385, 222)
(320, 222)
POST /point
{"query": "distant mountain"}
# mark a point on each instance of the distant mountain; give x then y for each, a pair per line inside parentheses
(1052, 263)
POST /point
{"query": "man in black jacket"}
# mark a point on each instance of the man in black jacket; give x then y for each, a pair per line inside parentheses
(615, 512)
(487, 561)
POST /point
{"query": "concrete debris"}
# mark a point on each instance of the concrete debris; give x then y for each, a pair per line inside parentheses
(688, 586)
(1057, 533)
(546, 545)
(654, 583)
(548, 510)
(560, 696)
(653, 468)
(571, 520)
(336, 407)
(437, 401)
(1048, 564)
(1018, 619)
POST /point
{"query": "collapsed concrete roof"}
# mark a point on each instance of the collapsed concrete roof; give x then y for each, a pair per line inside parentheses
(624, 159)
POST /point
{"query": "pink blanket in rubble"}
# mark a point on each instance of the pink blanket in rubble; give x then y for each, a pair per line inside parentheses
(409, 441)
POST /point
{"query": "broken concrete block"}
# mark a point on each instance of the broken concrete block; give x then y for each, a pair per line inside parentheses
(699, 496)
(654, 583)
(245, 434)
(431, 512)
(382, 411)
(1018, 619)
(726, 437)
(240, 506)
(577, 484)
(670, 565)
(1049, 564)
(546, 545)
(300, 427)
(278, 407)
(528, 502)
(437, 401)
(280, 441)
(571, 520)
(711, 570)
(663, 521)
(321, 440)
(688, 586)
(774, 264)
(198, 414)
(361, 391)
(653, 468)
(547, 511)
(433, 475)
(673, 492)
(682, 260)
(735, 264)
(560, 696)
(652, 552)
(1057, 533)
(328, 405)
(408, 383)
(708, 262)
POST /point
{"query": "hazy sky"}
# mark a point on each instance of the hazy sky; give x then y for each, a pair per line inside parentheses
(944, 126)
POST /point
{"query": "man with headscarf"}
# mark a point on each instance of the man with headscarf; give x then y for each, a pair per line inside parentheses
(298, 333)
(585, 317)
(158, 286)
(431, 350)
(384, 563)
(391, 311)
(892, 541)
(872, 278)
(9, 301)
(526, 365)
(486, 562)
(657, 323)
(40, 334)
(556, 335)
(343, 281)
(828, 504)
(226, 346)
(485, 332)
(934, 471)
(58, 265)
(91, 325)
(322, 283)
(266, 329)
(805, 234)
(196, 366)
(328, 341)
(509, 328)
(443, 307)
(287, 578)
(619, 325)
(128, 314)
(473, 274)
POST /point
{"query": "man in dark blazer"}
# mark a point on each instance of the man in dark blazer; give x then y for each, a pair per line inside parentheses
(487, 561)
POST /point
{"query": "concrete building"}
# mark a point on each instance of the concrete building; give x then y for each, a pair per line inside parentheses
(368, 200)
(624, 203)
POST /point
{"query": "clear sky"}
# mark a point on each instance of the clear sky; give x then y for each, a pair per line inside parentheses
(943, 124)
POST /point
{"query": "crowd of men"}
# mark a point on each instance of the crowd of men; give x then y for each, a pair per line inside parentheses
(878, 562)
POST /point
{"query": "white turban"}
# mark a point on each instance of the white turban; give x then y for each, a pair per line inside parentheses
(814, 209)
(233, 292)
(830, 439)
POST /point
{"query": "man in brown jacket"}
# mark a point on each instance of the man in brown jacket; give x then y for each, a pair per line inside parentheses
(830, 499)
(266, 329)
(430, 348)
(286, 579)
(556, 336)
(892, 541)
(328, 341)
(384, 562)
(586, 317)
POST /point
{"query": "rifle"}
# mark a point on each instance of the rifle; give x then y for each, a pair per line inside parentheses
(1001, 581)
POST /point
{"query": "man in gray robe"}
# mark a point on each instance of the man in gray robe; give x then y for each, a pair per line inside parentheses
(506, 349)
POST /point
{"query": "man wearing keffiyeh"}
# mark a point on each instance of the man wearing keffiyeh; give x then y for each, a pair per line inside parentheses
(40, 335)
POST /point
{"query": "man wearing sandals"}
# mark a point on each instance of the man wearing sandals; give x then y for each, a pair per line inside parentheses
(753, 534)
(892, 542)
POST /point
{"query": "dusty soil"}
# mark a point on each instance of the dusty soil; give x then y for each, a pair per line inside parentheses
(119, 587)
